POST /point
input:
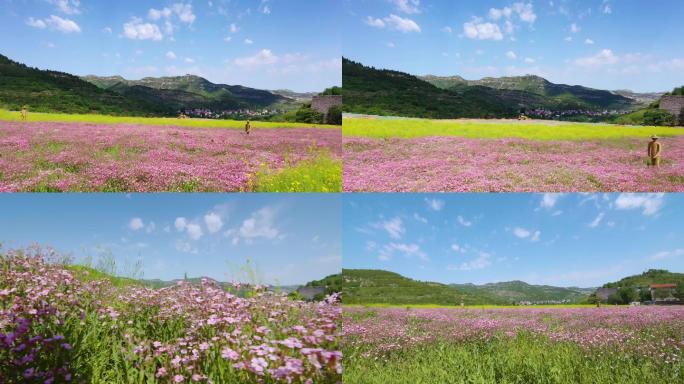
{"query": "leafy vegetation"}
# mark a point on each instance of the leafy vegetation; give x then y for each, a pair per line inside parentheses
(535, 130)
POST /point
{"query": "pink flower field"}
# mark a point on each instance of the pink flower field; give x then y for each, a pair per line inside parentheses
(514, 345)
(125, 157)
(457, 164)
(57, 326)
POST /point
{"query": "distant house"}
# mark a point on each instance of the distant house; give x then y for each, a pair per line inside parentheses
(604, 293)
(322, 103)
(662, 292)
(310, 292)
(674, 104)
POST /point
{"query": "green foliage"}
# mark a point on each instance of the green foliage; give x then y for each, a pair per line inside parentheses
(322, 173)
(383, 92)
(334, 116)
(523, 359)
(658, 117)
(306, 114)
(332, 91)
(652, 276)
(678, 91)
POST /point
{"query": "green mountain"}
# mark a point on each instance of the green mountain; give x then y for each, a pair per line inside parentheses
(652, 276)
(517, 291)
(559, 96)
(189, 92)
(52, 91)
(384, 92)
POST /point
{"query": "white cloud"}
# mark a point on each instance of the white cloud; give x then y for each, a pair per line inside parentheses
(529, 60)
(263, 57)
(194, 231)
(496, 14)
(135, 224)
(260, 224)
(483, 260)
(55, 23)
(589, 41)
(181, 10)
(524, 12)
(463, 221)
(185, 247)
(476, 29)
(407, 6)
(404, 25)
(595, 223)
(574, 28)
(36, 23)
(650, 203)
(390, 44)
(180, 224)
(535, 236)
(373, 22)
(394, 227)
(568, 39)
(521, 232)
(170, 55)
(227, 39)
(213, 222)
(667, 254)
(151, 226)
(447, 30)
(549, 200)
(605, 57)
(248, 41)
(107, 30)
(189, 60)
(69, 7)
(156, 14)
(420, 218)
(135, 29)
(408, 250)
(435, 204)
(606, 8)
(511, 55)
(233, 28)
(456, 248)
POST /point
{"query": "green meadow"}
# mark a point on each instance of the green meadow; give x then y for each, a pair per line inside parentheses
(496, 129)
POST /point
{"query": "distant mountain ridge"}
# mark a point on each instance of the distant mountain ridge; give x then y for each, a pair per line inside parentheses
(190, 91)
(386, 92)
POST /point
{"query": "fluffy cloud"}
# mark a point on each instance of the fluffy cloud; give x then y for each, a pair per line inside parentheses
(435, 204)
(181, 10)
(135, 29)
(574, 28)
(408, 250)
(549, 200)
(463, 221)
(511, 55)
(523, 233)
(589, 41)
(483, 260)
(263, 57)
(55, 23)
(170, 55)
(480, 30)
(69, 7)
(407, 6)
(260, 224)
(194, 231)
(394, 227)
(649, 203)
(394, 22)
(213, 222)
(603, 58)
(180, 224)
(248, 41)
(667, 254)
(135, 224)
(595, 223)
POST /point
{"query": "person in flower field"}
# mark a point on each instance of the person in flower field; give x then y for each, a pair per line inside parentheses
(248, 127)
(654, 150)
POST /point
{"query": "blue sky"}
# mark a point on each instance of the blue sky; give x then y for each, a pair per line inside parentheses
(607, 44)
(565, 240)
(265, 44)
(291, 238)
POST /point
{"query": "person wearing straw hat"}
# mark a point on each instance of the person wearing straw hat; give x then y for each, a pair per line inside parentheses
(248, 128)
(24, 113)
(654, 149)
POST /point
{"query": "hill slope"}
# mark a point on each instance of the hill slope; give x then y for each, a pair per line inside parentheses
(189, 91)
(385, 92)
(52, 91)
(652, 276)
(555, 96)
(517, 291)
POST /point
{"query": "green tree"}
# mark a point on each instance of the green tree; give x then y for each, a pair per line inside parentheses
(334, 115)
(658, 117)
(644, 294)
(306, 114)
(332, 91)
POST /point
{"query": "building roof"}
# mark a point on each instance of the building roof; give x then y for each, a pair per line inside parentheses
(656, 286)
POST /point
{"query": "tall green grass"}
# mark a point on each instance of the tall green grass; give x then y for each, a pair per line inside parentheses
(524, 359)
(196, 123)
(322, 173)
(534, 130)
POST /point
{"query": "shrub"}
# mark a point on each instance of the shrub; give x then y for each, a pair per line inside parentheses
(658, 117)
(334, 115)
(306, 114)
